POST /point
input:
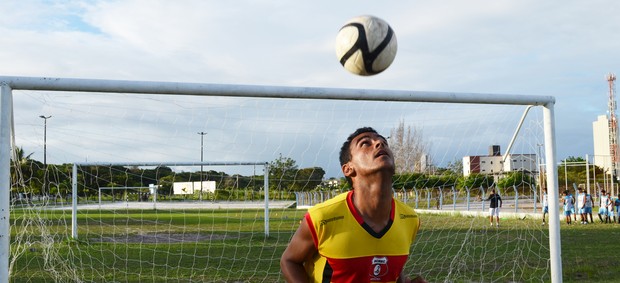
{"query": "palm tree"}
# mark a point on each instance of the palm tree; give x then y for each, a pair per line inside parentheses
(20, 167)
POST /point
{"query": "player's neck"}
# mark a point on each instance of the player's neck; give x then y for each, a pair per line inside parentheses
(373, 201)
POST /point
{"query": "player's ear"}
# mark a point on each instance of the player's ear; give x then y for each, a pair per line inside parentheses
(347, 170)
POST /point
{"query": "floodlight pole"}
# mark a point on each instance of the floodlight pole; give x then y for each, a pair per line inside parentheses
(202, 134)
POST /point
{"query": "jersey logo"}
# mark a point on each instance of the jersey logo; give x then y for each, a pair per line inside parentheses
(380, 267)
(326, 221)
(405, 216)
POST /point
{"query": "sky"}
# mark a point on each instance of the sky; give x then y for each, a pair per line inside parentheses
(550, 48)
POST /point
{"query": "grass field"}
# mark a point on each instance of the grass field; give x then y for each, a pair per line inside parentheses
(230, 246)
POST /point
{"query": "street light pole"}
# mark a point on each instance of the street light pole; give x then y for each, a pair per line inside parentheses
(44, 189)
(202, 134)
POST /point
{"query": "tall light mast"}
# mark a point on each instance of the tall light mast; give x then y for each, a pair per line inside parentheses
(613, 124)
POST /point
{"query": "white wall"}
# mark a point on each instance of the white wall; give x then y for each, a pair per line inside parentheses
(189, 188)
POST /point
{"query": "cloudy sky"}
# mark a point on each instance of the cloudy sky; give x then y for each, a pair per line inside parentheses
(553, 48)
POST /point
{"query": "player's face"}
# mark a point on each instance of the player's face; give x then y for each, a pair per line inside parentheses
(370, 151)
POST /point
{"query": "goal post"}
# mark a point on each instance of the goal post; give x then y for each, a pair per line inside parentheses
(74, 183)
(5, 180)
(9, 83)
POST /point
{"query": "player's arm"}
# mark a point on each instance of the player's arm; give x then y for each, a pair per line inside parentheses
(500, 201)
(298, 250)
(583, 204)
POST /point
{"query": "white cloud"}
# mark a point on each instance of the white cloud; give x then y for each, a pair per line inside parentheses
(520, 47)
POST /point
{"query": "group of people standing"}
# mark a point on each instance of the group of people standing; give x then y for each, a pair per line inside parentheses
(584, 204)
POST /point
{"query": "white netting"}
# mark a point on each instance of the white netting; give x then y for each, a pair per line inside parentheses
(220, 236)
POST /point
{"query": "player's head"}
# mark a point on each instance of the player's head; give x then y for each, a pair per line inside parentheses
(603, 192)
(345, 150)
(580, 190)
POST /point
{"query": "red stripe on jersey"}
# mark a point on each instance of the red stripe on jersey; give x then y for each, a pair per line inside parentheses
(367, 269)
(315, 239)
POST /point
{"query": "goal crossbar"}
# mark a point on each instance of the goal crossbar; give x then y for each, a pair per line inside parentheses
(265, 91)
(9, 83)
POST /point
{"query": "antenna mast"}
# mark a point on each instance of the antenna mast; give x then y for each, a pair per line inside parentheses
(613, 124)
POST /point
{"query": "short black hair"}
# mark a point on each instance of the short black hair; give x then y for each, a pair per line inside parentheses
(345, 150)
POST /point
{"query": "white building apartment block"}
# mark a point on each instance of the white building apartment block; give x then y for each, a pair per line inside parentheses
(602, 151)
(492, 164)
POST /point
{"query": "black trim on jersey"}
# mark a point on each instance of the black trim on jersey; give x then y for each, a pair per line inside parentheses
(381, 233)
(327, 273)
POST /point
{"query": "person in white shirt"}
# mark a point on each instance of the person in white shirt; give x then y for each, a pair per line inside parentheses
(604, 205)
(581, 203)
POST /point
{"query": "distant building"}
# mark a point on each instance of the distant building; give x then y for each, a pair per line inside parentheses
(602, 148)
(189, 188)
(492, 164)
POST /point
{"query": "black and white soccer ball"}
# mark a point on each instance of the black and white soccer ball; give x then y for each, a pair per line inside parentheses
(366, 45)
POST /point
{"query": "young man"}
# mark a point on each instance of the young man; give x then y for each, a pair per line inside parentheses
(568, 201)
(617, 205)
(581, 204)
(494, 207)
(573, 212)
(545, 205)
(588, 208)
(604, 204)
(363, 235)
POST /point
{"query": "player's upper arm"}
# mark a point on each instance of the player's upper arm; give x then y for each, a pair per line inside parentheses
(301, 245)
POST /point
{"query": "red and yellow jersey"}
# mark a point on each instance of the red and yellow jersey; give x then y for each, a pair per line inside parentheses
(350, 251)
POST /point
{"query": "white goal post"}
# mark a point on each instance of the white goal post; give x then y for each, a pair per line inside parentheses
(8, 84)
(74, 183)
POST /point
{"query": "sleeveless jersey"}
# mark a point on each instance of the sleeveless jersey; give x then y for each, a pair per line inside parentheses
(580, 199)
(350, 251)
(605, 201)
(568, 202)
(588, 200)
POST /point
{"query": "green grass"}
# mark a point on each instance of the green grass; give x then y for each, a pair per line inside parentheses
(230, 246)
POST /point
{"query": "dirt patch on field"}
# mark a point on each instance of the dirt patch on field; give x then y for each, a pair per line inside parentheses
(163, 238)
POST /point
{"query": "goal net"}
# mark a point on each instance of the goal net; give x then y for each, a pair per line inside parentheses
(97, 193)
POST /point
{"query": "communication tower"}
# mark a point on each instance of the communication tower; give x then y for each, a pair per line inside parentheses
(613, 124)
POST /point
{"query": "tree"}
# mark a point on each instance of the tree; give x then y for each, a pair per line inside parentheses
(409, 148)
(516, 178)
(455, 167)
(308, 178)
(21, 166)
(573, 170)
(282, 172)
(478, 180)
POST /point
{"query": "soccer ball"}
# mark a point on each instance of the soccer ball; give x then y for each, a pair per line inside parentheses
(366, 45)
